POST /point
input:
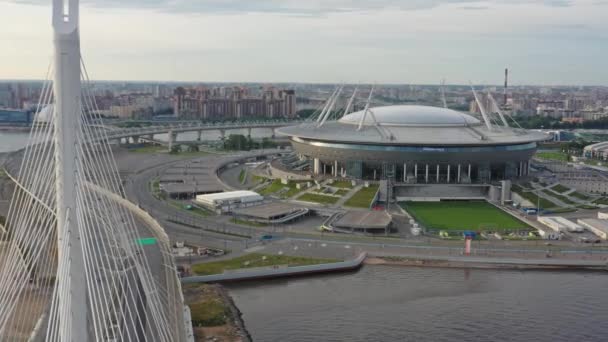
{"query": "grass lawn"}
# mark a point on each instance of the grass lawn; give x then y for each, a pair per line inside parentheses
(516, 188)
(462, 216)
(580, 196)
(527, 185)
(316, 198)
(342, 184)
(601, 200)
(560, 156)
(242, 175)
(257, 179)
(559, 197)
(271, 188)
(155, 189)
(255, 260)
(277, 186)
(560, 188)
(586, 206)
(207, 305)
(534, 199)
(362, 198)
(342, 192)
(209, 313)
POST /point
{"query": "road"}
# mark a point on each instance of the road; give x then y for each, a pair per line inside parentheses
(140, 172)
(137, 190)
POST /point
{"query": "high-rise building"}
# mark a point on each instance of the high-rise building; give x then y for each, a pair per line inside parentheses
(221, 103)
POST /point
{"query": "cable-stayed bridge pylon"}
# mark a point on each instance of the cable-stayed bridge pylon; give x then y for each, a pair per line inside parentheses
(70, 263)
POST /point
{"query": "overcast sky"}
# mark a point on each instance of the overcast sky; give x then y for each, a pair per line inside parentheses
(386, 41)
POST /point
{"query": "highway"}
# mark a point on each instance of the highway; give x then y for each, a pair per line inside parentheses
(138, 176)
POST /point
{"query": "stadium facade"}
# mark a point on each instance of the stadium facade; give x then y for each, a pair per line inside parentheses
(415, 144)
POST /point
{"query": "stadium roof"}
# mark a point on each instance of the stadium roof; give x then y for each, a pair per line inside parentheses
(411, 125)
(409, 115)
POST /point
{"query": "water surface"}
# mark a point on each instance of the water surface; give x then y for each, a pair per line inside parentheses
(385, 303)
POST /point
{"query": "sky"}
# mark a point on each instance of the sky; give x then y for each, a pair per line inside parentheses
(542, 42)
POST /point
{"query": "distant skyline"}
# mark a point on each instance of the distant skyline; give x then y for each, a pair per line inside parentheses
(542, 42)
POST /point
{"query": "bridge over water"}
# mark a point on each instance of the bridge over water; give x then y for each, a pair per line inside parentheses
(173, 129)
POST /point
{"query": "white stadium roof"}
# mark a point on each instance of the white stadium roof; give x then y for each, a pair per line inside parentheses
(410, 115)
(412, 125)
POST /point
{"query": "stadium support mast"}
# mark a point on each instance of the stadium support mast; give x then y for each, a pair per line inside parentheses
(331, 107)
(506, 87)
(498, 110)
(324, 111)
(369, 100)
(442, 87)
(351, 102)
(482, 109)
(72, 299)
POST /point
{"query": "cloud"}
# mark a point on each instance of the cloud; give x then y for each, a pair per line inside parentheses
(474, 8)
(558, 3)
(293, 7)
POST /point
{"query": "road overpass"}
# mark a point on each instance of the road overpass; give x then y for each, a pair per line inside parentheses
(173, 130)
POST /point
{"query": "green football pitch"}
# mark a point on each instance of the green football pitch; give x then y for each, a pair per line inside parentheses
(474, 216)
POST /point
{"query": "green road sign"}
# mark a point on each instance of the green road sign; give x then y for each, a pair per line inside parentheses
(146, 241)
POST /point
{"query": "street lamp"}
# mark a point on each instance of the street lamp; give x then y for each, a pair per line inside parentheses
(537, 204)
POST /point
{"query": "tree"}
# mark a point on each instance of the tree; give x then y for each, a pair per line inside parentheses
(236, 142)
(268, 143)
(250, 143)
(193, 148)
(175, 149)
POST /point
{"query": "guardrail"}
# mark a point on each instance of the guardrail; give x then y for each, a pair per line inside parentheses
(113, 134)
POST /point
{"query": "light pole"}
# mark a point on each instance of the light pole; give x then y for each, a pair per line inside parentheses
(537, 205)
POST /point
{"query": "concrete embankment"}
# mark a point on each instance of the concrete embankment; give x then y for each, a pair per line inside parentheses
(488, 263)
(269, 273)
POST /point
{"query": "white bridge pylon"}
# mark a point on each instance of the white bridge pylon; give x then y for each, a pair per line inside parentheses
(70, 263)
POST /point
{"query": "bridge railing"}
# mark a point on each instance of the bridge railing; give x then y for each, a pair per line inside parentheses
(190, 127)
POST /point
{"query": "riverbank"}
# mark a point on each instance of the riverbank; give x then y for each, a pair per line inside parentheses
(16, 129)
(215, 317)
(549, 264)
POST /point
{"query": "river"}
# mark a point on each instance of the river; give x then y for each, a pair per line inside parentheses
(15, 140)
(12, 141)
(391, 303)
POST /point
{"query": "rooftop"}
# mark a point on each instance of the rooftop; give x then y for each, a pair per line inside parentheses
(412, 125)
(268, 211)
(410, 115)
(228, 195)
(364, 220)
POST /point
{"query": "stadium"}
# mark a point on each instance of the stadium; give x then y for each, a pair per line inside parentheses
(415, 145)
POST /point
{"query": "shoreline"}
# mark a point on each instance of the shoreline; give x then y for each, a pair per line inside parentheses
(237, 315)
(15, 129)
(496, 265)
